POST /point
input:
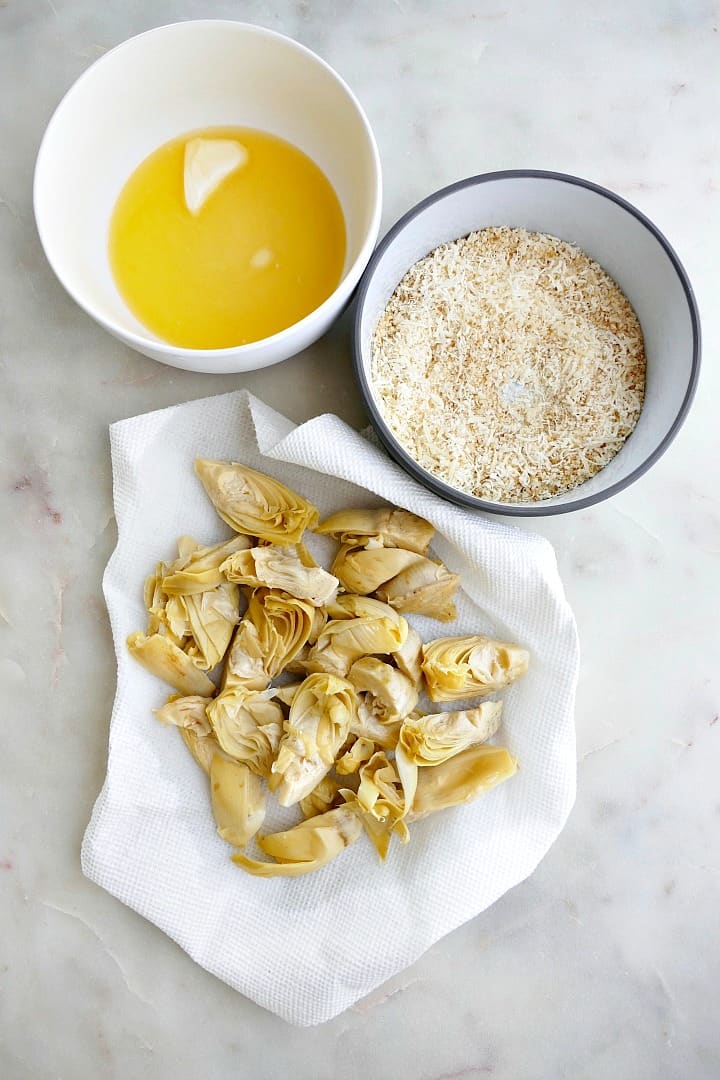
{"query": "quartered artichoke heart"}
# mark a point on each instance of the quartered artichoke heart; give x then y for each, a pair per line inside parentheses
(343, 641)
(461, 779)
(425, 587)
(186, 712)
(436, 737)
(318, 725)
(255, 504)
(199, 570)
(394, 693)
(462, 667)
(321, 798)
(238, 801)
(366, 565)
(281, 568)
(397, 528)
(212, 617)
(271, 634)
(306, 847)
(248, 726)
(163, 658)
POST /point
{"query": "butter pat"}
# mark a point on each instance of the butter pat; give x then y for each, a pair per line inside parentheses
(207, 163)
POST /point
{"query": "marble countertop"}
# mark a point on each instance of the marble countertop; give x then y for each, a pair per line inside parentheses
(605, 963)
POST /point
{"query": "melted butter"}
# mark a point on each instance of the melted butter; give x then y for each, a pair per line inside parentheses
(265, 249)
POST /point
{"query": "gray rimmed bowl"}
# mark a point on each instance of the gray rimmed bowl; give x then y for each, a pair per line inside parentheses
(611, 231)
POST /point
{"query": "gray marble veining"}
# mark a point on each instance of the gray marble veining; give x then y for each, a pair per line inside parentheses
(605, 963)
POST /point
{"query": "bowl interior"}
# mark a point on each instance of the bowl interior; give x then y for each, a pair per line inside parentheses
(170, 81)
(607, 230)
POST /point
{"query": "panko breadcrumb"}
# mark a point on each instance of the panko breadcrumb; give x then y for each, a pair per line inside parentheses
(510, 365)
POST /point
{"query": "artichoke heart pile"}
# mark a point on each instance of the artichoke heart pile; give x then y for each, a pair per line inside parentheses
(306, 684)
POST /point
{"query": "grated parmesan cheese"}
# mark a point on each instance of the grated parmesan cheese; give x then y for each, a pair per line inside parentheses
(509, 365)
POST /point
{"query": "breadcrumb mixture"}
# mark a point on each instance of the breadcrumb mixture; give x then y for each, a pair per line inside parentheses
(509, 365)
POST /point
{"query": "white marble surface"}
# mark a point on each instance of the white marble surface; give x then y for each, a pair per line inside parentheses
(605, 963)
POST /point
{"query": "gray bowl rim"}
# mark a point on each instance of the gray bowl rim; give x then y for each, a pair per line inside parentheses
(433, 483)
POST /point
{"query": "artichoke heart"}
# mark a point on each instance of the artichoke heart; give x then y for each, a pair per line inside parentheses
(363, 569)
(321, 798)
(248, 726)
(426, 587)
(163, 658)
(409, 657)
(255, 504)
(212, 617)
(271, 634)
(199, 570)
(343, 641)
(306, 847)
(318, 725)
(186, 712)
(393, 693)
(461, 779)
(462, 667)
(398, 528)
(433, 739)
(238, 801)
(281, 568)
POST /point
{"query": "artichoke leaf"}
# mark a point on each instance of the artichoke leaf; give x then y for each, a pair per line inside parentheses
(362, 570)
(322, 837)
(425, 587)
(212, 616)
(462, 667)
(343, 641)
(397, 528)
(255, 504)
(409, 657)
(281, 568)
(285, 694)
(163, 658)
(360, 752)
(321, 798)
(202, 747)
(461, 779)
(199, 570)
(186, 712)
(238, 801)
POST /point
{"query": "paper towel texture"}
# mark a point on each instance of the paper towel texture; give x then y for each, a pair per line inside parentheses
(307, 948)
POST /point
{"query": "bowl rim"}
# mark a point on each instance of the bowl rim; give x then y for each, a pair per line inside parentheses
(435, 484)
(138, 341)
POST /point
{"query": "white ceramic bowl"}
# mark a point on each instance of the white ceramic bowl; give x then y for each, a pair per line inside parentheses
(175, 79)
(614, 233)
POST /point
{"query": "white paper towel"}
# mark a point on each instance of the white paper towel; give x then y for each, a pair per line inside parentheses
(307, 948)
